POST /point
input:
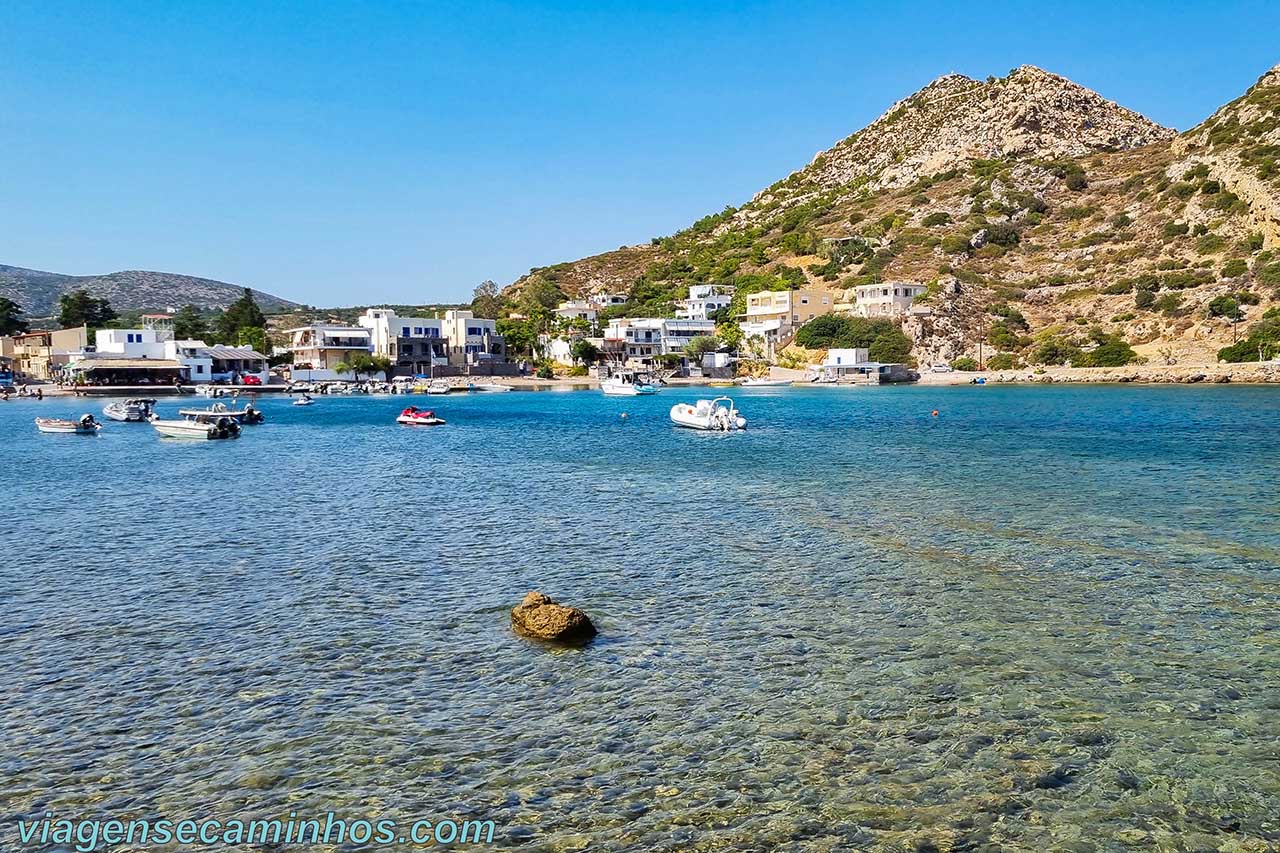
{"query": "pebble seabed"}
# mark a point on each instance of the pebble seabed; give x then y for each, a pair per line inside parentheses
(1046, 619)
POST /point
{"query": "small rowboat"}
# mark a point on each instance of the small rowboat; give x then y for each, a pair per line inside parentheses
(223, 428)
(413, 416)
(85, 426)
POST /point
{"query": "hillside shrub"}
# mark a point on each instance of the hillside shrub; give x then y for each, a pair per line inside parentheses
(1111, 350)
(1002, 361)
(1003, 234)
(1175, 229)
(1169, 304)
(964, 363)
(1210, 244)
(1144, 299)
(936, 218)
(1235, 268)
(833, 330)
(1263, 341)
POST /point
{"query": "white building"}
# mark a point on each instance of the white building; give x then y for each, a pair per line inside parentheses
(472, 339)
(414, 344)
(643, 339)
(154, 346)
(704, 300)
(319, 347)
(577, 309)
(887, 299)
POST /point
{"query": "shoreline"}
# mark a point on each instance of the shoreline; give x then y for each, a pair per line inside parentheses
(1246, 373)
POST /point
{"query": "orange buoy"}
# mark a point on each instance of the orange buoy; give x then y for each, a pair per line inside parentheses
(935, 413)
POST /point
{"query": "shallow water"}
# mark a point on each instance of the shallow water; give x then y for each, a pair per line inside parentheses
(1048, 618)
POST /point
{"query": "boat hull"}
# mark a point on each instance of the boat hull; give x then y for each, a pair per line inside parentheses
(708, 416)
(409, 420)
(197, 430)
(65, 427)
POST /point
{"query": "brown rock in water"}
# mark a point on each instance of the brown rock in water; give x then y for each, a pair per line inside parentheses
(540, 617)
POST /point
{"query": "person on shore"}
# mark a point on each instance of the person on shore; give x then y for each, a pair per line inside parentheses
(39, 393)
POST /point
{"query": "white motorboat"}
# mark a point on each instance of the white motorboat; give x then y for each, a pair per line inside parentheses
(134, 411)
(204, 430)
(764, 383)
(304, 400)
(439, 386)
(488, 387)
(413, 416)
(247, 415)
(212, 391)
(626, 384)
(719, 414)
(86, 425)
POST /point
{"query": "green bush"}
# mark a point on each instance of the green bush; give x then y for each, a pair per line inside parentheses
(1111, 351)
(1211, 188)
(1003, 234)
(956, 244)
(937, 218)
(1124, 285)
(1144, 299)
(1175, 229)
(1262, 342)
(1224, 306)
(1183, 191)
(833, 330)
(1055, 349)
(1002, 361)
(1210, 244)
(1269, 274)
(1235, 268)
(1121, 220)
(1169, 304)
(964, 363)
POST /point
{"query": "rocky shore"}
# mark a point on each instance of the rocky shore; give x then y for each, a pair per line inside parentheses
(1144, 374)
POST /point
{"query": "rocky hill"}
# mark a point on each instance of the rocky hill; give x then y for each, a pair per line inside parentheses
(1042, 216)
(38, 291)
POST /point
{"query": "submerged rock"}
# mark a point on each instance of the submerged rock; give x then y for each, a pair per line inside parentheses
(540, 617)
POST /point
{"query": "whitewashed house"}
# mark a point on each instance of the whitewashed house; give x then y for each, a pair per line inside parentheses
(886, 299)
(704, 300)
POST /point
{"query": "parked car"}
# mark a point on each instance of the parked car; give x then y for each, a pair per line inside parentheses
(940, 368)
(251, 380)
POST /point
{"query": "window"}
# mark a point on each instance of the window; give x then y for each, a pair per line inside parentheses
(804, 300)
(824, 300)
(200, 368)
(404, 331)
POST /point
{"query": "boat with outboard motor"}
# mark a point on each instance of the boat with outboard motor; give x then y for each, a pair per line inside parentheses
(711, 415)
(487, 387)
(627, 384)
(439, 386)
(304, 400)
(133, 411)
(247, 415)
(413, 416)
(86, 425)
(223, 427)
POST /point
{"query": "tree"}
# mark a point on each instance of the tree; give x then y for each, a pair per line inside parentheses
(584, 351)
(188, 325)
(362, 364)
(78, 308)
(485, 301)
(11, 320)
(701, 344)
(243, 313)
(730, 333)
(520, 335)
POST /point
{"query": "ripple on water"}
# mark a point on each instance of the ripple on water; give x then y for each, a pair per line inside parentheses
(1047, 618)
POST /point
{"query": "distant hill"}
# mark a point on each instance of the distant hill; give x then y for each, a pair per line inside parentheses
(37, 291)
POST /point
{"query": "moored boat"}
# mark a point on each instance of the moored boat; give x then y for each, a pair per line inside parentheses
(413, 416)
(133, 411)
(86, 425)
(488, 387)
(626, 384)
(438, 386)
(304, 400)
(719, 415)
(754, 382)
(204, 430)
(247, 415)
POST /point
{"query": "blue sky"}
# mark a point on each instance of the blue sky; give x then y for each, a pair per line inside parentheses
(346, 153)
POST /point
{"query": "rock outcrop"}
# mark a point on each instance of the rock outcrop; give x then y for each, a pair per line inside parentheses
(539, 617)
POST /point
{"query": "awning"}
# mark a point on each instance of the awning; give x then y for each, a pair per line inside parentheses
(223, 353)
(123, 364)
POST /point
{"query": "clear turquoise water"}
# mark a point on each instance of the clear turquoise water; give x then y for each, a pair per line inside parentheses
(1047, 619)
